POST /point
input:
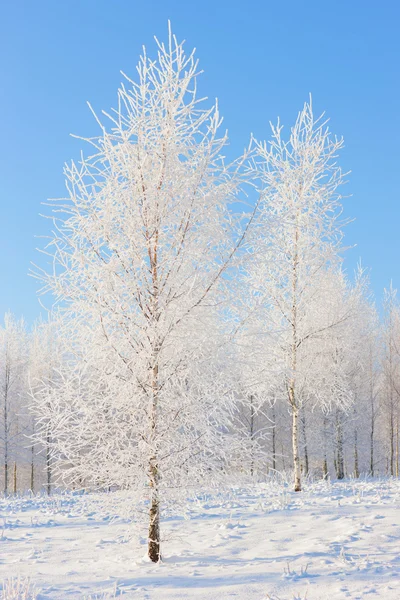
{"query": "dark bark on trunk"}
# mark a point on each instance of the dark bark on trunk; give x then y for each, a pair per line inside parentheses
(371, 459)
(339, 446)
(304, 431)
(154, 525)
(154, 551)
(356, 466)
(372, 399)
(325, 472)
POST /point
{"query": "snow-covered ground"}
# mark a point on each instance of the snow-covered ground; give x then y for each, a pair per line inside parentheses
(332, 541)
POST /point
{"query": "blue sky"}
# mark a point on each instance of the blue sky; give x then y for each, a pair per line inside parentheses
(261, 59)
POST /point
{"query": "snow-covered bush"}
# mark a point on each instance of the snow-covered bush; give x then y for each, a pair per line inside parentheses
(19, 588)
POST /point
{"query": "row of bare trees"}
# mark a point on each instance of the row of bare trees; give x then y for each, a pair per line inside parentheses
(361, 438)
(358, 363)
(26, 361)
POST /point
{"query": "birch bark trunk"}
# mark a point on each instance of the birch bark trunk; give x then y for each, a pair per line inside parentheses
(294, 348)
(325, 471)
(339, 443)
(295, 448)
(372, 399)
(154, 542)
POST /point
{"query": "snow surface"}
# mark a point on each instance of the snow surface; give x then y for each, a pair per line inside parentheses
(333, 541)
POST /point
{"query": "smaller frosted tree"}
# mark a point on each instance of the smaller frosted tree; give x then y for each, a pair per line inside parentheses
(297, 235)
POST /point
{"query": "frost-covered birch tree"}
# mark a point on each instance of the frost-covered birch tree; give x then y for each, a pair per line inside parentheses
(141, 252)
(298, 235)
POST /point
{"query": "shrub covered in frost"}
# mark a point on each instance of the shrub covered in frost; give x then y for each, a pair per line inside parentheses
(19, 588)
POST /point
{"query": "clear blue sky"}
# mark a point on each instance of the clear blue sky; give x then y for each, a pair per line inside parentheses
(261, 59)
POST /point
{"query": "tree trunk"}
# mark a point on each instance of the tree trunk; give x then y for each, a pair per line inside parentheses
(356, 466)
(252, 433)
(371, 449)
(5, 463)
(292, 384)
(274, 440)
(371, 458)
(32, 474)
(283, 458)
(391, 428)
(154, 552)
(339, 445)
(15, 478)
(372, 399)
(154, 475)
(295, 448)
(391, 402)
(6, 427)
(32, 486)
(48, 464)
(304, 432)
(154, 525)
(325, 472)
(356, 463)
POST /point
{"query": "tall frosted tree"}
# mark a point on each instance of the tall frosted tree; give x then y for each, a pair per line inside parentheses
(298, 235)
(141, 253)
